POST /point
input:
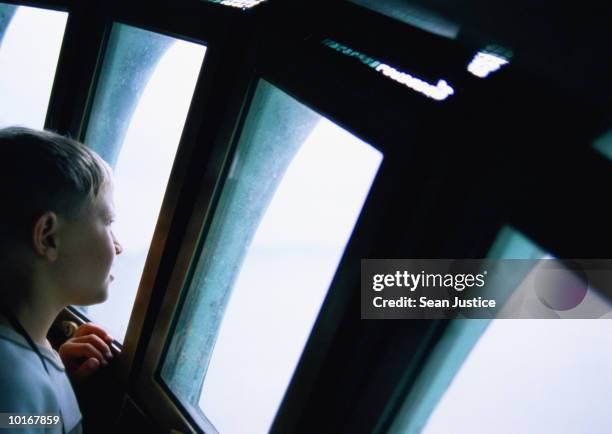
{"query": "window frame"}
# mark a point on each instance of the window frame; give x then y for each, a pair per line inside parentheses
(202, 193)
(68, 113)
(180, 201)
(334, 308)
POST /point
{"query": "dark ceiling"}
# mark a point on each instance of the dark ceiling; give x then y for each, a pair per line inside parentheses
(567, 44)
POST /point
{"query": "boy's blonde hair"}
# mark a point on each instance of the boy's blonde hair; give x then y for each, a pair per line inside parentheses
(42, 171)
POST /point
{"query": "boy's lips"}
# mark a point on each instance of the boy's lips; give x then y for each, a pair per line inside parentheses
(111, 277)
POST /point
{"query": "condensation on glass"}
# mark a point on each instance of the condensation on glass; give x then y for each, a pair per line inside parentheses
(287, 209)
(141, 103)
(521, 375)
(30, 44)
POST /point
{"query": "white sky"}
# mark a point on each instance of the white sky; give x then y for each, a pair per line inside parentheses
(285, 277)
(532, 377)
(27, 65)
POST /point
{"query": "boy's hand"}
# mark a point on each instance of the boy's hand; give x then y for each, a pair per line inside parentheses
(86, 351)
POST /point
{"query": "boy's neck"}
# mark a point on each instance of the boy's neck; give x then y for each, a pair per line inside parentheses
(36, 317)
(37, 323)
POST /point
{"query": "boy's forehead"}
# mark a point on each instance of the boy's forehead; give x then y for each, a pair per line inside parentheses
(103, 204)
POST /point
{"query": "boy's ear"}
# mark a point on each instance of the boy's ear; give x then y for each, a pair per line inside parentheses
(45, 237)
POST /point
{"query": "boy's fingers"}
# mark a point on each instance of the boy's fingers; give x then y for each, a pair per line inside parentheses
(89, 328)
(86, 369)
(96, 342)
(73, 350)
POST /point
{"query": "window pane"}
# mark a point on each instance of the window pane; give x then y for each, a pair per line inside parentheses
(286, 212)
(532, 376)
(510, 376)
(143, 96)
(30, 43)
(413, 14)
(603, 144)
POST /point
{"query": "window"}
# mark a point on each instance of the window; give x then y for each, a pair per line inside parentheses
(30, 43)
(509, 376)
(603, 144)
(143, 95)
(286, 211)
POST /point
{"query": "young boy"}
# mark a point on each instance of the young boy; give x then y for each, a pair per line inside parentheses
(56, 249)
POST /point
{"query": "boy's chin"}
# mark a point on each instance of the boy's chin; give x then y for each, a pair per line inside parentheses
(102, 295)
(99, 297)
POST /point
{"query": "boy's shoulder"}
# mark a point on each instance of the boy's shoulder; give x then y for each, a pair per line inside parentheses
(24, 384)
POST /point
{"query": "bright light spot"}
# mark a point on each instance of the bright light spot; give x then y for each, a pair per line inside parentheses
(242, 4)
(485, 63)
(439, 92)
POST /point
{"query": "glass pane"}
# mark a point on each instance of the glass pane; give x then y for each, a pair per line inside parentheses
(143, 96)
(413, 14)
(286, 212)
(30, 43)
(603, 144)
(509, 376)
(532, 376)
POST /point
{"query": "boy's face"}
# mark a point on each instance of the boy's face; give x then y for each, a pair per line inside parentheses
(87, 249)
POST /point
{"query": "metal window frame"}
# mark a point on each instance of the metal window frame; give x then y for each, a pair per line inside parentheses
(275, 69)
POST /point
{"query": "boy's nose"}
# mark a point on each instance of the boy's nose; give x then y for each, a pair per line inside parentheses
(118, 246)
